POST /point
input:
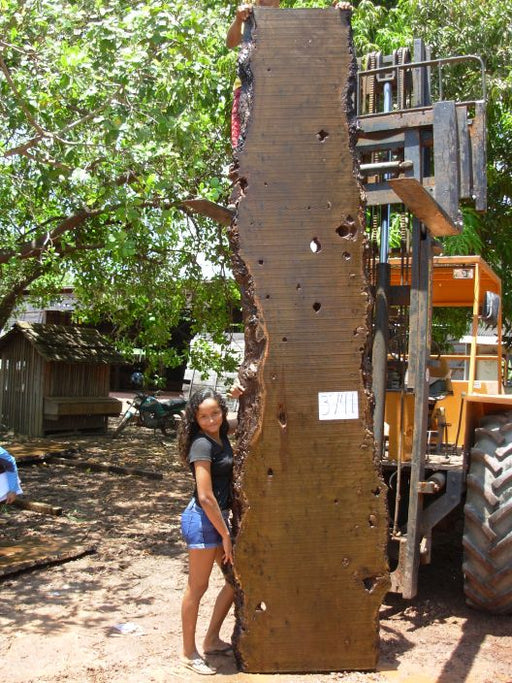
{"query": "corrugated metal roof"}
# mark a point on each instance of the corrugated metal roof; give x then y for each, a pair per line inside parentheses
(66, 344)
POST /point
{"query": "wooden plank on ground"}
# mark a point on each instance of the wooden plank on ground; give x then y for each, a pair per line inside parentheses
(33, 451)
(36, 506)
(96, 466)
(310, 554)
(38, 551)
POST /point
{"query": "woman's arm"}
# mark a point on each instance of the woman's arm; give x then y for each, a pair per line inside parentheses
(234, 34)
(210, 506)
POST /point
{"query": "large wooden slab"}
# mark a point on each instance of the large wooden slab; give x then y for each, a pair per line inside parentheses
(310, 554)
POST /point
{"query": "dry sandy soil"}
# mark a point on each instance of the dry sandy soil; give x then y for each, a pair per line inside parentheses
(57, 622)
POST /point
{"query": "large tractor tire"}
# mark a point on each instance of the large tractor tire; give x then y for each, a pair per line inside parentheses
(487, 538)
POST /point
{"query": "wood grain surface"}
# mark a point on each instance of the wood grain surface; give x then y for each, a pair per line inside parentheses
(310, 553)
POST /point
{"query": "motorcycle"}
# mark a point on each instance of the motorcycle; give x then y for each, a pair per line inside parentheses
(146, 410)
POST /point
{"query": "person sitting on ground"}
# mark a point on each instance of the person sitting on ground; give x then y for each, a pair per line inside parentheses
(10, 486)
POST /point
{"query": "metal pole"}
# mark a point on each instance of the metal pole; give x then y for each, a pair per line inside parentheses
(419, 354)
(381, 335)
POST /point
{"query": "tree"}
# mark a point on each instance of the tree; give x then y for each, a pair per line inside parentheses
(463, 27)
(112, 112)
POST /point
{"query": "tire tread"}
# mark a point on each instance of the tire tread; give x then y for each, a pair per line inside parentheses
(487, 540)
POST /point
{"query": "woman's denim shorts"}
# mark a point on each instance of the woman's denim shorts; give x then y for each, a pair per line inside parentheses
(197, 529)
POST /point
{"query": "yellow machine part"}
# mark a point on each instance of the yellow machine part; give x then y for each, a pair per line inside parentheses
(399, 416)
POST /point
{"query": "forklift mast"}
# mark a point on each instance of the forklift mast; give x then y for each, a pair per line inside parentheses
(421, 156)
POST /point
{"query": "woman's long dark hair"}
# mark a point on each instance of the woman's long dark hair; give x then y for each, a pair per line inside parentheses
(188, 427)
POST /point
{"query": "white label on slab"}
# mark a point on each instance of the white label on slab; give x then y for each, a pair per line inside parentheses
(338, 405)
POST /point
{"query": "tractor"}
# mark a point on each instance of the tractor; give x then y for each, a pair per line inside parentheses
(442, 421)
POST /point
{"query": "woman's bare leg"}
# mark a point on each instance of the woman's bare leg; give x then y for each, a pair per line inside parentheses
(200, 567)
(221, 608)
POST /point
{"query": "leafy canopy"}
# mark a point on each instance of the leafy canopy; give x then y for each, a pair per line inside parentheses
(111, 113)
(114, 111)
(463, 27)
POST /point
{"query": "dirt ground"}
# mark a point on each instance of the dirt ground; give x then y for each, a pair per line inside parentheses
(58, 623)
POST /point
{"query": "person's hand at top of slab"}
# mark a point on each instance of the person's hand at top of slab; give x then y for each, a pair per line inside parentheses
(236, 390)
(343, 5)
(234, 34)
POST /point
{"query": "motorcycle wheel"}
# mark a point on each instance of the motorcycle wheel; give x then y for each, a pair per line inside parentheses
(168, 427)
(127, 417)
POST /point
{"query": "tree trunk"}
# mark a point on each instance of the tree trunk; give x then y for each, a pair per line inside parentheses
(11, 299)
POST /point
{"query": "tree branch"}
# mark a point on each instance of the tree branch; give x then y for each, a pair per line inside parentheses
(40, 244)
(23, 148)
(8, 302)
(26, 110)
(36, 246)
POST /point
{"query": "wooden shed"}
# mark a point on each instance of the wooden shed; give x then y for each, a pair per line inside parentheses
(55, 378)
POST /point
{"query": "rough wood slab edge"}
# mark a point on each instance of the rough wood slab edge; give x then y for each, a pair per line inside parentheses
(55, 558)
(209, 209)
(424, 206)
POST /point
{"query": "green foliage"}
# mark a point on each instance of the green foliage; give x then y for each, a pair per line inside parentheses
(447, 324)
(463, 27)
(470, 240)
(206, 355)
(111, 113)
(114, 111)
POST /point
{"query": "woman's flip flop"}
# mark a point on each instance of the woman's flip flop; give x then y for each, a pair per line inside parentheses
(198, 665)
